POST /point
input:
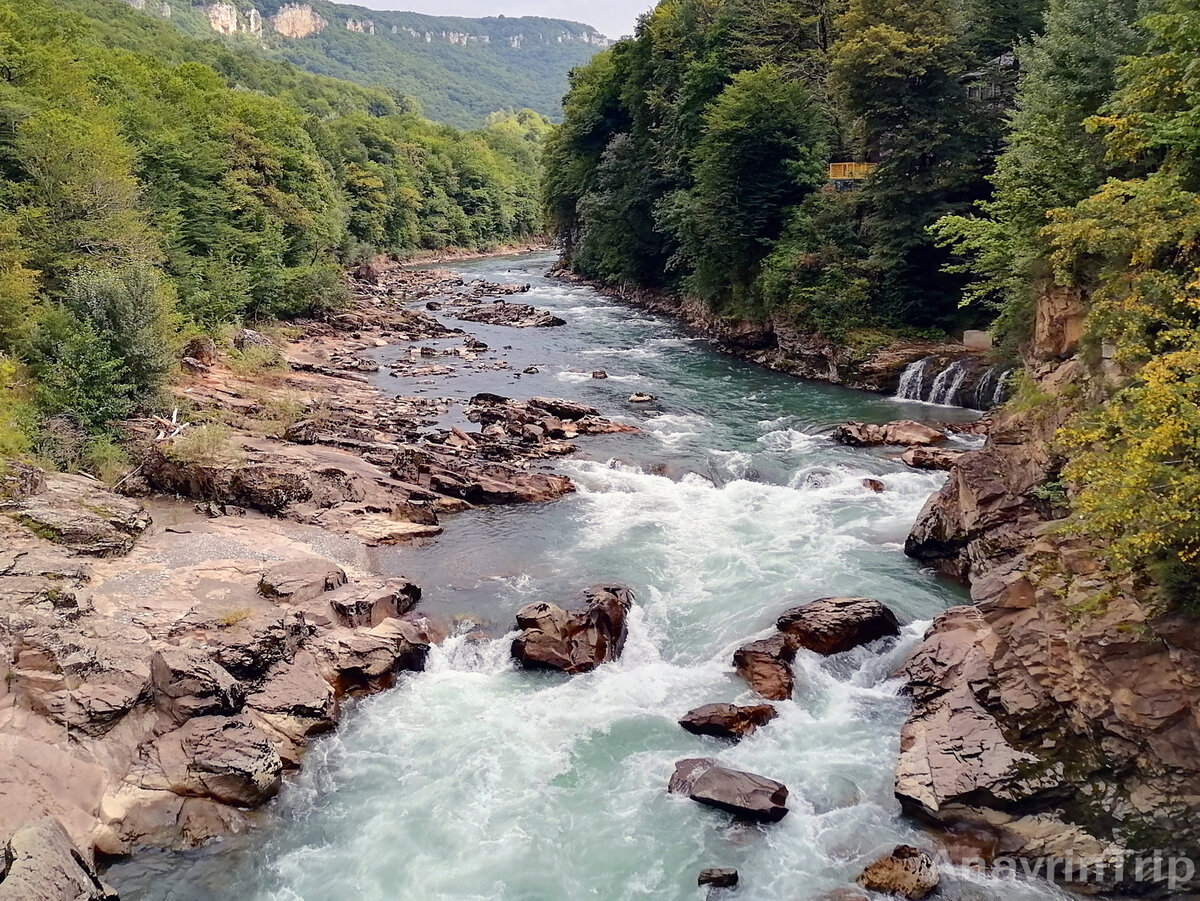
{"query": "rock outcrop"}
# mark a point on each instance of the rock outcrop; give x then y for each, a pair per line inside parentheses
(514, 315)
(1057, 712)
(577, 640)
(908, 872)
(766, 665)
(902, 432)
(746, 795)
(835, 625)
(296, 20)
(727, 720)
(40, 863)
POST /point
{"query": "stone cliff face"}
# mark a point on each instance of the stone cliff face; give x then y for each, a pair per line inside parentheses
(1059, 712)
(297, 21)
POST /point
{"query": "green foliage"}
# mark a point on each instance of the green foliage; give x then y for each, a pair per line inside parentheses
(16, 414)
(150, 181)
(687, 153)
(1051, 160)
(760, 153)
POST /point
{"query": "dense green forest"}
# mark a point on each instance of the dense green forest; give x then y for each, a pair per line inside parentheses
(153, 186)
(463, 71)
(1021, 150)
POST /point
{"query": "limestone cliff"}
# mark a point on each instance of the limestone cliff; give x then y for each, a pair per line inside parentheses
(297, 21)
(1059, 712)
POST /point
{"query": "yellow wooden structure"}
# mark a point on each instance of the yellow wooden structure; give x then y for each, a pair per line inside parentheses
(850, 171)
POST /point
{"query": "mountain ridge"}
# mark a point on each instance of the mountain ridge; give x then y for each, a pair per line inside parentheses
(459, 69)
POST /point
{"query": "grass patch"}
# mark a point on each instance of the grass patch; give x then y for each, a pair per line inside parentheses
(211, 444)
(255, 361)
(234, 617)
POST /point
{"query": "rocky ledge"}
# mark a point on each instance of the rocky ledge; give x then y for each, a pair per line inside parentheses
(168, 653)
(1058, 712)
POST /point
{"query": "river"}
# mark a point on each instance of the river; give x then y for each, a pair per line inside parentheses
(474, 780)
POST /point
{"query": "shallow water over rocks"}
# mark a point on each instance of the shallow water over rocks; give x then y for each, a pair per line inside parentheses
(480, 780)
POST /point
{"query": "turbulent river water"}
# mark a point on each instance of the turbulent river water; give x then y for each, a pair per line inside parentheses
(474, 780)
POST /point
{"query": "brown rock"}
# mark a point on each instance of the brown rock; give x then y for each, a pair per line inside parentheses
(907, 871)
(727, 720)
(74, 512)
(41, 864)
(248, 337)
(202, 349)
(574, 641)
(228, 759)
(370, 607)
(296, 581)
(187, 684)
(718, 877)
(745, 794)
(930, 457)
(874, 485)
(902, 432)
(1058, 321)
(194, 366)
(766, 665)
(295, 700)
(835, 625)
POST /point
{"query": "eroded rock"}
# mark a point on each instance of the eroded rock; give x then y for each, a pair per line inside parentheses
(40, 863)
(578, 640)
(188, 683)
(907, 871)
(835, 625)
(727, 720)
(904, 432)
(766, 665)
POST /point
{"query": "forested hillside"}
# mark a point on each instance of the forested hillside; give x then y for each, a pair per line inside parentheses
(1026, 156)
(153, 186)
(460, 70)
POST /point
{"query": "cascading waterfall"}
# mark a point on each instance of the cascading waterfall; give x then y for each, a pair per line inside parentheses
(948, 383)
(989, 391)
(912, 381)
(1001, 388)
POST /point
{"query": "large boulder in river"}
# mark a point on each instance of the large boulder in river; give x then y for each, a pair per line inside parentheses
(907, 871)
(766, 665)
(578, 640)
(746, 794)
(727, 720)
(834, 625)
(905, 432)
(40, 863)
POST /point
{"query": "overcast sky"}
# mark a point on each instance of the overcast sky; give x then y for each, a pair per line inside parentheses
(612, 17)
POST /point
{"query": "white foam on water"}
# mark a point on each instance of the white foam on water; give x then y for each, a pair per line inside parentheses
(579, 377)
(791, 441)
(674, 428)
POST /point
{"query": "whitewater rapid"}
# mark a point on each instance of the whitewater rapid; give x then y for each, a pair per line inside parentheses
(476, 780)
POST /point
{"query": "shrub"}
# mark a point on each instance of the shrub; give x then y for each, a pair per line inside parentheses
(206, 445)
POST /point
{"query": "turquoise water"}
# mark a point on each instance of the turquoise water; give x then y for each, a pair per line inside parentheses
(475, 780)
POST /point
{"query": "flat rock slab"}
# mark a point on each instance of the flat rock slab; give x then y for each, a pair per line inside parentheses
(903, 432)
(40, 862)
(727, 720)
(835, 625)
(745, 794)
(297, 581)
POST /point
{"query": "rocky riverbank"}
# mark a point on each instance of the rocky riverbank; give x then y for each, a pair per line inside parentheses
(168, 651)
(876, 365)
(1057, 713)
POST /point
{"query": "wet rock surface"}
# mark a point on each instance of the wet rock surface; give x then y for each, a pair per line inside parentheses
(903, 432)
(908, 872)
(727, 720)
(576, 640)
(746, 795)
(835, 625)
(766, 665)
(718, 877)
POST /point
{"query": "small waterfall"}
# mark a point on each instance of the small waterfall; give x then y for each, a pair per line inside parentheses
(912, 381)
(1001, 389)
(948, 383)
